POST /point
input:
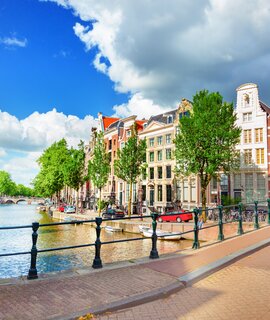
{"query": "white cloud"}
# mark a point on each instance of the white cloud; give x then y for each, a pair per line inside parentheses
(40, 130)
(168, 50)
(30, 136)
(2, 152)
(14, 42)
(137, 105)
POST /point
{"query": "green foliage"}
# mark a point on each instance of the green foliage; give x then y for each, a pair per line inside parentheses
(73, 167)
(50, 179)
(206, 142)
(99, 165)
(7, 186)
(129, 164)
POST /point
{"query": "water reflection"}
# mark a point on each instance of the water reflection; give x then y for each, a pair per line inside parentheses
(64, 235)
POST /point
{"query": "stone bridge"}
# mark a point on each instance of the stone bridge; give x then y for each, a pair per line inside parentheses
(16, 200)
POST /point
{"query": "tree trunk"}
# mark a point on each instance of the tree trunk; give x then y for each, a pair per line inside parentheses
(203, 195)
(130, 199)
(99, 202)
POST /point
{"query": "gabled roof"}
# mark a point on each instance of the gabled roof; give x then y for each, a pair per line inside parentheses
(264, 107)
(107, 121)
(163, 116)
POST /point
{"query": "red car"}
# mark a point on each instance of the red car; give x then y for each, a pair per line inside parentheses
(175, 216)
(61, 208)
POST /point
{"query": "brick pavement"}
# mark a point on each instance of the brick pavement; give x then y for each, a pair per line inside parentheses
(75, 293)
(240, 291)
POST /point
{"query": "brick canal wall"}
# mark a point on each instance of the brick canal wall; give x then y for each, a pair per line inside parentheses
(210, 234)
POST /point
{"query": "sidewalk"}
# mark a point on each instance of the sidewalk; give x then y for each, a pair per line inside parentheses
(68, 295)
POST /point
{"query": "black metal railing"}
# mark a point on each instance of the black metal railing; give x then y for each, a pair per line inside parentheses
(222, 215)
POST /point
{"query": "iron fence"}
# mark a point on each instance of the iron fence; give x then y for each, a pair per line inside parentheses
(219, 215)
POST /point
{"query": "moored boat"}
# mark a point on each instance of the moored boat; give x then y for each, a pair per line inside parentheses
(113, 229)
(162, 235)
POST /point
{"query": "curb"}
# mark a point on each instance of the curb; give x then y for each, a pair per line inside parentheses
(129, 301)
(181, 283)
(203, 272)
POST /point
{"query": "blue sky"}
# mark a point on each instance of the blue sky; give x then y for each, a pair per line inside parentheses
(53, 69)
(63, 61)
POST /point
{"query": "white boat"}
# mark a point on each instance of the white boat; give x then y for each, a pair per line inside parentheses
(113, 229)
(143, 228)
(162, 235)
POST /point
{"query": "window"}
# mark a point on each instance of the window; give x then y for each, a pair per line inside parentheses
(159, 193)
(248, 156)
(159, 172)
(247, 136)
(184, 114)
(169, 119)
(193, 190)
(151, 156)
(128, 133)
(249, 187)
(168, 193)
(246, 100)
(114, 142)
(134, 192)
(168, 172)
(185, 195)
(151, 173)
(247, 116)
(143, 193)
(127, 192)
(159, 140)
(159, 155)
(151, 142)
(168, 138)
(237, 181)
(260, 156)
(214, 183)
(110, 144)
(259, 135)
(144, 174)
(122, 145)
(168, 154)
(178, 190)
(261, 186)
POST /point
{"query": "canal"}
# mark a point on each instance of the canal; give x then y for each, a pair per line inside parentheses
(64, 235)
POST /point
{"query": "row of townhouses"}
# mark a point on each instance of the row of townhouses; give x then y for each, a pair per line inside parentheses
(160, 188)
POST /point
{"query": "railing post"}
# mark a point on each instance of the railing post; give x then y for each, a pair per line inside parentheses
(154, 252)
(196, 244)
(240, 219)
(256, 221)
(97, 263)
(220, 223)
(32, 273)
(268, 204)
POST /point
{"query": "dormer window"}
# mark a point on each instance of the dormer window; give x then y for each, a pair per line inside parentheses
(170, 119)
(144, 125)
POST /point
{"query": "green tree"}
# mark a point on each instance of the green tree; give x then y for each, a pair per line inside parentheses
(99, 166)
(206, 141)
(129, 164)
(50, 179)
(7, 186)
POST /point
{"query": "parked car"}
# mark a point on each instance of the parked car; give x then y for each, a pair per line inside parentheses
(70, 209)
(175, 216)
(61, 208)
(113, 213)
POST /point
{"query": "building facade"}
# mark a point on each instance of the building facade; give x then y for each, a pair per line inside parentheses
(252, 182)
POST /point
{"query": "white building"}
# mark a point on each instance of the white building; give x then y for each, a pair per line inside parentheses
(251, 183)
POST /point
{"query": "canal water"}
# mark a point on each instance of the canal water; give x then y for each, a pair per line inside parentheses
(19, 240)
